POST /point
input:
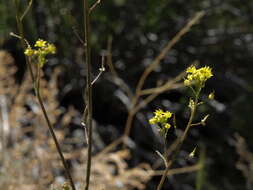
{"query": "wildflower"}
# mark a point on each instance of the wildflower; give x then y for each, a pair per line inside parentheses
(191, 69)
(29, 51)
(167, 126)
(161, 120)
(198, 76)
(50, 49)
(40, 43)
(187, 82)
(160, 117)
(42, 48)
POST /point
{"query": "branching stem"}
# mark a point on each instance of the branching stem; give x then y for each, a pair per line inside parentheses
(180, 141)
(36, 82)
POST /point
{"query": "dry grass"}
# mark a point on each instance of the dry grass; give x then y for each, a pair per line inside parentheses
(245, 162)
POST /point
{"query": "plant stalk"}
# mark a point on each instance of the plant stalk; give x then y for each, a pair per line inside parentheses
(180, 143)
(88, 90)
(37, 92)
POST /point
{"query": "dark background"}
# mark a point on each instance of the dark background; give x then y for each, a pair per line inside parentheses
(139, 29)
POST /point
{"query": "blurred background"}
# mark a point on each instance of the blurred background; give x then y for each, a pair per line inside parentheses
(133, 33)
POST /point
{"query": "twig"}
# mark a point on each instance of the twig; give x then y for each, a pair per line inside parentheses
(153, 94)
(101, 70)
(168, 152)
(178, 170)
(162, 157)
(115, 76)
(109, 57)
(167, 48)
(112, 69)
(196, 124)
(27, 9)
(110, 147)
(85, 113)
(94, 6)
(19, 37)
(78, 36)
(166, 86)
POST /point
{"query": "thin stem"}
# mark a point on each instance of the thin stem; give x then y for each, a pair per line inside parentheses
(101, 70)
(180, 142)
(88, 88)
(27, 9)
(196, 124)
(94, 5)
(78, 36)
(22, 39)
(191, 116)
(50, 127)
(37, 91)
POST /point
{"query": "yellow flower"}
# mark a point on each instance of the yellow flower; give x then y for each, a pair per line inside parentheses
(160, 117)
(40, 43)
(191, 69)
(167, 126)
(161, 120)
(29, 52)
(187, 82)
(152, 121)
(42, 48)
(198, 76)
(50, 49)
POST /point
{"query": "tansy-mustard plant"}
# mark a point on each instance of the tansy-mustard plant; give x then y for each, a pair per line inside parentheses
(37, 55)
(40, 51)
(161, 120)
(197, 77)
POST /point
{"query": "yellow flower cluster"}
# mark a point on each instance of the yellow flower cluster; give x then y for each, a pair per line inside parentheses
(161, 118)
(197, 76)
(43, 48)
(40, 43)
